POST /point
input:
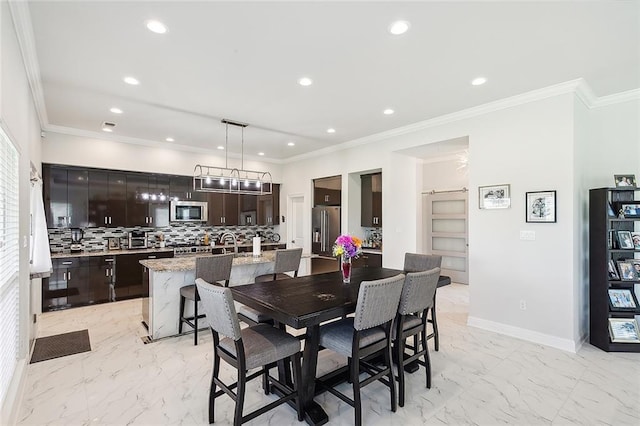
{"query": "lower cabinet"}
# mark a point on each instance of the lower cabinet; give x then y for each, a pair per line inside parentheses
(368, 260)
(129, 274)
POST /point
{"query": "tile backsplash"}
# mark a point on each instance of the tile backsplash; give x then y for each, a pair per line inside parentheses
(97, 239)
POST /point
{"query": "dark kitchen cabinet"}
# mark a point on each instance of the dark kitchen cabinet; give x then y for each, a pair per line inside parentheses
(129, 274)
(107, 198)
(181, 189)
(248, 207)
(65, 193)
(68, 284)
(368, 260)
(223, 209)
(327, 191)
(101, 279)
(159, 200)
(147, 200)
(269, 207)
(371, 205)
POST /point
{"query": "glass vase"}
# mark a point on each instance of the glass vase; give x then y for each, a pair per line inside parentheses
(345, 267)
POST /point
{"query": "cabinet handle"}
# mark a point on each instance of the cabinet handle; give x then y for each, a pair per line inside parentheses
(152, 257)
(67, 263)
(146, 219)
(106, 219)
(69, 275)
(108, 260)
(106, 272)
(109, 220)
(69, 220)
(326, 198)
(150, 219)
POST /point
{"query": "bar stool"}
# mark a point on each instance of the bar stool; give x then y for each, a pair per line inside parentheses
(417, 297)
(212, 269)
(286, 261)
(246, 349)
(416, 262)
(361, 336)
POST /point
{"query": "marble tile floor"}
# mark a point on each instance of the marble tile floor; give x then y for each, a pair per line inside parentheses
(479, 378)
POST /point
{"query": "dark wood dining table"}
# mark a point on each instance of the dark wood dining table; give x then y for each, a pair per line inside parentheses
(305, 302)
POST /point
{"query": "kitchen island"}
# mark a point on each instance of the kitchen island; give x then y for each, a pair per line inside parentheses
(160, 310)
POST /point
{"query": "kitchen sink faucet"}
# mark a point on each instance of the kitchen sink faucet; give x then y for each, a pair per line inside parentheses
(223, 239)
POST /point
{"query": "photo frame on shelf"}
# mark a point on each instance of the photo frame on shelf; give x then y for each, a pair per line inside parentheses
(541, 206)
(630, 209)
(635, 237)
(624, 180)
(625, 241)
(622, 299)
(613, 271)
(494, 196)
(636, 267)
(624, 330)
(627, 271)
(610, 210)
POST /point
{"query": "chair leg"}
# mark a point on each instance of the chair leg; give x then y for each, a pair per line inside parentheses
(212, 391)
(297, 384)
(427, 358)
(182, 300)
(242, 379)
(392, 382)
(195, 322)
(265, 379)
(355, 378)
(400, 354)
(349, 362)
(436, 338)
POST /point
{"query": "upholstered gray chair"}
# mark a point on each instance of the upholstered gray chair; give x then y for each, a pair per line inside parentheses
(415, 262)
(365, 334)
(417, 297)
(211, 269)
(286, 261)
(245, 349)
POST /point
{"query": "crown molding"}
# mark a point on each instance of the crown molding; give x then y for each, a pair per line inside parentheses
(26, 40)
(71, 131)
(616, 98)
(524, 98)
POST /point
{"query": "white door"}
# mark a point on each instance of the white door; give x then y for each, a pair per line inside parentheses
(446, 232)
(295, 229)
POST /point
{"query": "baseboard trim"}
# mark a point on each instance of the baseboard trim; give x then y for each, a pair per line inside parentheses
(11, 406)
(524, 334)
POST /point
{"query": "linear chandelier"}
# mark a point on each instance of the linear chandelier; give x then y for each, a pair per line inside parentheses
(228, 180)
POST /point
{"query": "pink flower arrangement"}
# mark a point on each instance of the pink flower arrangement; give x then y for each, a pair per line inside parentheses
(347, 246)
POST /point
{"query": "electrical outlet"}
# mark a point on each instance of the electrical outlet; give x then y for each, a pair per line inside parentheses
(528, 235)
(523, 305)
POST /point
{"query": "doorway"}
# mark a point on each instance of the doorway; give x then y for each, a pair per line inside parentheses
(296, 222)
(446, 231)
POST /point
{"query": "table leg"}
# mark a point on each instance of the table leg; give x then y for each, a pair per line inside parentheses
(313, 412)
(284, 366)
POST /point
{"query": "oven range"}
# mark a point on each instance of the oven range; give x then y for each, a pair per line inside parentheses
(191, 250)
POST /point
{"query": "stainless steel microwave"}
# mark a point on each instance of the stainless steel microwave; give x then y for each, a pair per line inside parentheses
(189, 211)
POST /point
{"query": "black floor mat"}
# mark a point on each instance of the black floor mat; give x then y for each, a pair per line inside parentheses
(61, 345)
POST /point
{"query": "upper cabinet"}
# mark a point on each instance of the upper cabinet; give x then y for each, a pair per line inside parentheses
(147, 200)
(223, 209)
(327, 191)
(371, 208)
(107, 198)
(181, 189)
(269, 207)
(65, 196)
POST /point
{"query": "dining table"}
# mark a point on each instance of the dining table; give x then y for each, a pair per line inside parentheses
(304, 303)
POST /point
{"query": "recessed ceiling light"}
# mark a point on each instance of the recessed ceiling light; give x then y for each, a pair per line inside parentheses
(261, 153)
(388, 111)
(399, 27)
(156, 27)
(107, 126)
(131, 80)
(291, 144)
(107, 129)
(221, 147)
(331, 130)
(478, 81)
(170, 139)
(116, 110)
(305, 81)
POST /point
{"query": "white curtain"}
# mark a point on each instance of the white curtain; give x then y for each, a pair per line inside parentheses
(40, 257)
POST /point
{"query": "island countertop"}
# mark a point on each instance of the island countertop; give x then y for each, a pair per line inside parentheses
(187, 263)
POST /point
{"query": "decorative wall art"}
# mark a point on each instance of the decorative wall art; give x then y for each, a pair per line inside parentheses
(541, 206)
(495, 196)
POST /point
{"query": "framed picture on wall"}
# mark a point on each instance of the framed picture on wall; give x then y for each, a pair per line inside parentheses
(624, 180)
(494, 196)
(541, 206)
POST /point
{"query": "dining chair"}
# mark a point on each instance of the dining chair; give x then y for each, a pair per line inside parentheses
(212, 269)
(364, 335)
(416, 262)
(417, 297)
(286, 261)
(246, 349)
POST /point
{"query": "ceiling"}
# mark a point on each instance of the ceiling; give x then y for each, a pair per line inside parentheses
(242, 61)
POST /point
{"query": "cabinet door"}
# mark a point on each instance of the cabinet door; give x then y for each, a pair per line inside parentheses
(78, 198)
(100, 279)
(159, 201)
(231, 214)
(78, 286)
(376, 199)
(55, 196)
(117, 199)
(98, 198)
(54, 289)
(366, 205)
(138, 198)
(182, 189)
(216, 209)
(269, 207)
(248, 206)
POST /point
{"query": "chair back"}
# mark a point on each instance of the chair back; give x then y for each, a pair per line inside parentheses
(218, 306)
(377, 302)
(214, 268)
(287, 261)
(418, 291)
(416, 262)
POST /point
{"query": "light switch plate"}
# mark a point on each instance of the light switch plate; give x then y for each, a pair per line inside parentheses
(528, 235)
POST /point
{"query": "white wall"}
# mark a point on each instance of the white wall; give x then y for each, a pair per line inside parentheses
(19, 120)
(443, 174)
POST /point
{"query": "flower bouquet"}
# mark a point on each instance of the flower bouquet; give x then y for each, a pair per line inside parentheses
(347, 247)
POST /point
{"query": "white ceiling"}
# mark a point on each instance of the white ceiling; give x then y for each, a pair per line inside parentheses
(241, 61)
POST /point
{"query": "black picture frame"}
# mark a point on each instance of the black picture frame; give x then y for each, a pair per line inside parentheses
(627, 271)
(635, 237)
(630, 209)
(625, 240)
(624, 181)
(622, 299)
(541, 207)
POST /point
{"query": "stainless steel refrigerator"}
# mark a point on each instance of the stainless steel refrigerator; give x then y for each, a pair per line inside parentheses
(325, 228)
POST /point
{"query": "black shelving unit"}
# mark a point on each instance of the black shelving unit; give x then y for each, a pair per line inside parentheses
(601, 223)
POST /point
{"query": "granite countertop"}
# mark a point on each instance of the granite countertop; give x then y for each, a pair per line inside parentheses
(372, 250)
(186, 263)
(110, 252)
(246, 244)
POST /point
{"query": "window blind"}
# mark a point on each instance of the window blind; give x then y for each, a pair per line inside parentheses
(9, 263)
